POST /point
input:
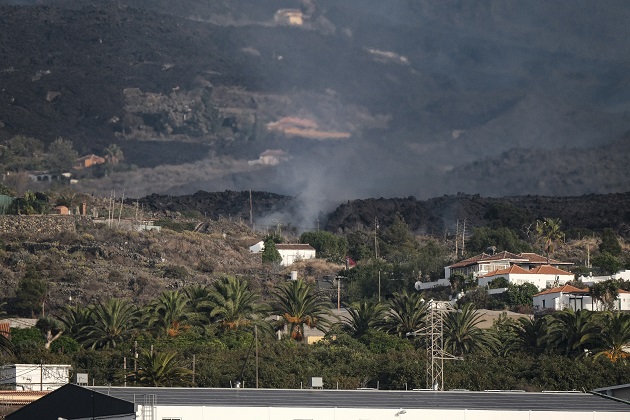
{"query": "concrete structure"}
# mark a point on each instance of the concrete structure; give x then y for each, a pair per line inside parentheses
(257, 248)
(590, 279)
(291, 253)
(27, 377)
(542, 276)
(77, 402)
(567, 296)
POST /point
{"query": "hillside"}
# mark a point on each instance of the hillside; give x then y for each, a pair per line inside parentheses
(407, 98)
(435, 216)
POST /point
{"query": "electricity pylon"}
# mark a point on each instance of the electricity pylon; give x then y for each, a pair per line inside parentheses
(434, 333)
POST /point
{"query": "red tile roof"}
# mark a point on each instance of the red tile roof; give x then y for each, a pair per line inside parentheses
(567, 288)
(547, 269)
(513, 269)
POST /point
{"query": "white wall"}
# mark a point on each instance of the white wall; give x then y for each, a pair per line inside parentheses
(257, 247)
(292, 413)
(29, 377)
(541, 281)
(560, 301)
(289, 256)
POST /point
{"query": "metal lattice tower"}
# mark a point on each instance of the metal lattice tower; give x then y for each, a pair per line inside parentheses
(434, 333)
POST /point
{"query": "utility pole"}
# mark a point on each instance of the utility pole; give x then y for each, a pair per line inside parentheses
(375, 238)
(193, 371)
(457, 239)
(135, 361)
(125, 368)
(256, 338)
(379, 286)
(338, 294)
(251, 211)
(464, 237)
(122, 199)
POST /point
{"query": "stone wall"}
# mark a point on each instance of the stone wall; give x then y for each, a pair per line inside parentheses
(37, 224)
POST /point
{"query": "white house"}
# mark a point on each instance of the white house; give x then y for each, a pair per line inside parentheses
(542, 276)
(26, 377)
(567, 296)
(291, 253)
(482, 264)
(126, 403)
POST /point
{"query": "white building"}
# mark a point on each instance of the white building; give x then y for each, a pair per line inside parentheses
(482, 264)
(126, 403)
(567, 296)
(542, 276)
(25, 377)
(291, 253)
(590, 279)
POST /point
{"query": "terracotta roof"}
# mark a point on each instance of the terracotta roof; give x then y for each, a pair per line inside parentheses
(547, 269)
(539, 259)
(483, 257)
(513, 269)
(567, 288)
(5, 329)
(301, 247)
(623, 291)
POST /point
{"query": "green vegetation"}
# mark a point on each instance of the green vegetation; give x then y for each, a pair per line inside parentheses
(175, 295)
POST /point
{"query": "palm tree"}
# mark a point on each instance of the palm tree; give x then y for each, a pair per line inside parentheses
(571, 332)
(160, 369)
(298, 304)
(364, 316)
(529, 335)
(170, 314)
(197, 295)
(549, 231)
(112, 321)
(407, 313)
(605, 292)
(615, 336)
(233, 305)
(74, 320)
(462, 334)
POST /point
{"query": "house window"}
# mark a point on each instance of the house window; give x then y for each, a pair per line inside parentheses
(543, 303)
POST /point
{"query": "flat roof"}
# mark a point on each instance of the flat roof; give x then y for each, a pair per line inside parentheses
(447, 400)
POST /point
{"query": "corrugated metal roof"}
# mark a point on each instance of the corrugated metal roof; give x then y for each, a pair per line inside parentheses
(230, 397)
